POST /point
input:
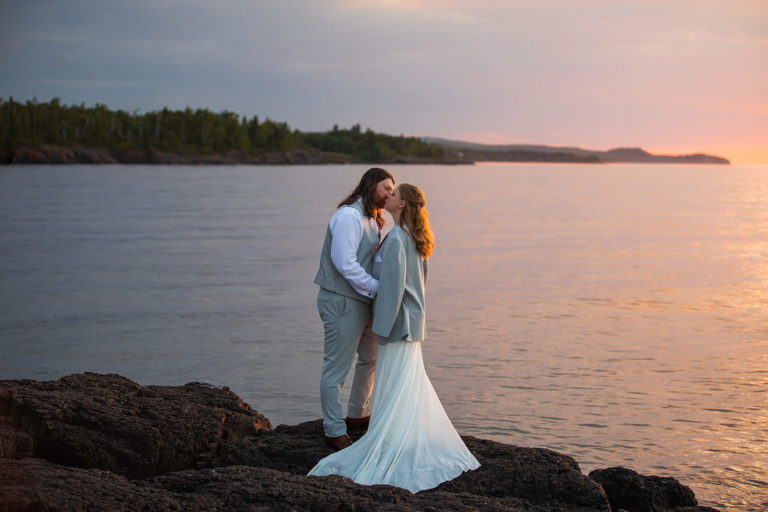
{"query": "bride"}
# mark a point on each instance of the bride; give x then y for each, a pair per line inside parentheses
(410, 442)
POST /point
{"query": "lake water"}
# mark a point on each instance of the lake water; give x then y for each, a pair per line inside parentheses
(615, 313)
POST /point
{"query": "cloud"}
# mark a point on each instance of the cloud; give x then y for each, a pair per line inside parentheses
(595, 73)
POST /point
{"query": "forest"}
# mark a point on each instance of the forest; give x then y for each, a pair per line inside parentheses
(190, 131)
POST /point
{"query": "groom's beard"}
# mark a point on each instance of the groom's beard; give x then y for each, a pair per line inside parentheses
(379, 203)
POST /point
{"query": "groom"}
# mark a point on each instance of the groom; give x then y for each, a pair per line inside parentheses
(344, 303)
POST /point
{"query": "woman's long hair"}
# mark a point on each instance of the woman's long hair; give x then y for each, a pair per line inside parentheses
(366, 189)
(414, 217)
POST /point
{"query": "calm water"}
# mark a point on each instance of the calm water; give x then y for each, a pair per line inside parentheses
(615, 313)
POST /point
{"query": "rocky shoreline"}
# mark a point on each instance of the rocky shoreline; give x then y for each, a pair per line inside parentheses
(103, 442)
(47, 154)
(50, 154)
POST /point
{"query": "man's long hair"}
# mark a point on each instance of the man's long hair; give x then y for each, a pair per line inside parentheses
(415, 218)
(365, 189)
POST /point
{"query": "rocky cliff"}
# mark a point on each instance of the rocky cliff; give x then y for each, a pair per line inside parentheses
(103, 442)
(49, 154)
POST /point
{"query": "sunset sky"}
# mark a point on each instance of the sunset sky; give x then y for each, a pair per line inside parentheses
(672, 76)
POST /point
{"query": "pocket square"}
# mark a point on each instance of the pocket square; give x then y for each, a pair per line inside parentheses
(377, 259)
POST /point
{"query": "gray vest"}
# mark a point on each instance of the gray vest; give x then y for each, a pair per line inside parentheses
(327, 275)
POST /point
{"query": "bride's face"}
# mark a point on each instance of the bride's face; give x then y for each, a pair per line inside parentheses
(394, 202)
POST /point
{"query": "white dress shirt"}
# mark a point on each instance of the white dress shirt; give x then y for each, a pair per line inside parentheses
(346, 233)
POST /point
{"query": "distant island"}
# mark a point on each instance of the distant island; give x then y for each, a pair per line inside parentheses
(474, 152)
(36, 132)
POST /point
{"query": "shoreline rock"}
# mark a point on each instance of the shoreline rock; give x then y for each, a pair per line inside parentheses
(64, 155)
(103, 442)
(112, 423)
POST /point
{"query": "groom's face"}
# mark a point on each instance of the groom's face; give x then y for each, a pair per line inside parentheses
(384, 189)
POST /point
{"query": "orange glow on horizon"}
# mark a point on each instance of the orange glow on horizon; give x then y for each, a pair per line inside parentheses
(753, 152)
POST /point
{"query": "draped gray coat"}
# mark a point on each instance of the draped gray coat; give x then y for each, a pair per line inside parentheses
(398, 309)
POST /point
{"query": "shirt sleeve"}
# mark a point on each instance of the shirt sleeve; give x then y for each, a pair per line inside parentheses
(391, 288)
(346, 233)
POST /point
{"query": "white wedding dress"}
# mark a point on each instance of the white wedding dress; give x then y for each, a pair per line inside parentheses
(410, 442)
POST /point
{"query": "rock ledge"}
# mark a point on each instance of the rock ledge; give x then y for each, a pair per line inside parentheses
(103, 442)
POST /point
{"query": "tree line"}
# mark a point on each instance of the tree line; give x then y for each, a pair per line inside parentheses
(188, 131)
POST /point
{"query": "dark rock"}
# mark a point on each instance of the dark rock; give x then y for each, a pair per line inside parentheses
(14, 443)
(199, 447)
(30, 156)
(50, 154)
(92, 156)
(244, 487)
(132, 156)
(292, 449)
(696, 509)
(536, 475)
(34, 484)
(637, 493)
(110, 422)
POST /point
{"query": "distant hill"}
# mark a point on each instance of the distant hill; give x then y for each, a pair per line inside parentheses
(471, 151)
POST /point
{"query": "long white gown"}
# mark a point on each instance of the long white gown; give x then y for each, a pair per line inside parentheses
(410, 442)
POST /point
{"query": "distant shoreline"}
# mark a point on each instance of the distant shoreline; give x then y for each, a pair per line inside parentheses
(36, 132)
(65, 155)
(71, 155)
(541, 153)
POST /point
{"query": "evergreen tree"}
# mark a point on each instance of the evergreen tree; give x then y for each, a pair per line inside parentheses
(188, 131)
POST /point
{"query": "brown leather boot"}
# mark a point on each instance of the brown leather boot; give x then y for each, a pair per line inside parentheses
(338, 443)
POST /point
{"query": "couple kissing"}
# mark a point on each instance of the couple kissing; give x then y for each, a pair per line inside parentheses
(372, 304)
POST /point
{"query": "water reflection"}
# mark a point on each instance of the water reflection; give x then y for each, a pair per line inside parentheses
(614, 313)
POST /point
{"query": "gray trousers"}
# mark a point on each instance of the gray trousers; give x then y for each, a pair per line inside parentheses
(347, 327)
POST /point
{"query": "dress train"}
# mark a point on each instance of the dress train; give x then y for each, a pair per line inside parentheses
(410, 442)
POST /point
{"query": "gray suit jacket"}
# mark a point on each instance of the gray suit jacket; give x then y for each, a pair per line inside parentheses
(398, 309)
